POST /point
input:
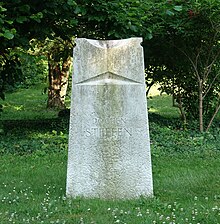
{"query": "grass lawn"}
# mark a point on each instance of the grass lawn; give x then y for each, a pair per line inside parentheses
(27, 104)
(33, 191)
(33, 150)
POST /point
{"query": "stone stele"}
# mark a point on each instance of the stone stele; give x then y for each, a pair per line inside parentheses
(109, 147)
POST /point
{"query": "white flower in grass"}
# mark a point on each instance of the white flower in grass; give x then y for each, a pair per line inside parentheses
(161, 217)
(139, 214)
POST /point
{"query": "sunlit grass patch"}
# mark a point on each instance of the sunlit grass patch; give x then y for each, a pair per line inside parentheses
(26, 104)
(163, 105)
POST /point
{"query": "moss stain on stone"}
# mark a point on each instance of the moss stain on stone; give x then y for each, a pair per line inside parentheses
(110, 104)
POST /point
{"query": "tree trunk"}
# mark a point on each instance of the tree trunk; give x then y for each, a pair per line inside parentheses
(180, 106)
(214, 115)
(201, 106)
(58, 82)
(65, 78)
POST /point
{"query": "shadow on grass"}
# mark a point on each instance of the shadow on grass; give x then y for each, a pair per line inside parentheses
(164, 121)
(177, 123)
(23, 137)
(35, 125)
(51, 123)
(60, 123)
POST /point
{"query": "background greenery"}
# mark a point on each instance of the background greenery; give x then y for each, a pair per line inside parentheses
(180, 39)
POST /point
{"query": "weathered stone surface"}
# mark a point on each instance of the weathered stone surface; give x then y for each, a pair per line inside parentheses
(109, 147)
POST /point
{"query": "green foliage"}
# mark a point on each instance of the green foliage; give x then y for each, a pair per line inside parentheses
(23, 21)
(22, 69)
(47, 137)
(167, 139)
(34, 69)
(170, 136)
(10, 70)
(113, 19)
(6, 32)
(184, 55)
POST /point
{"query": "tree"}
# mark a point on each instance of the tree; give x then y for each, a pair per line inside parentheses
(59, 62)
(22, 21)
(188, 51)
(181, 39)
